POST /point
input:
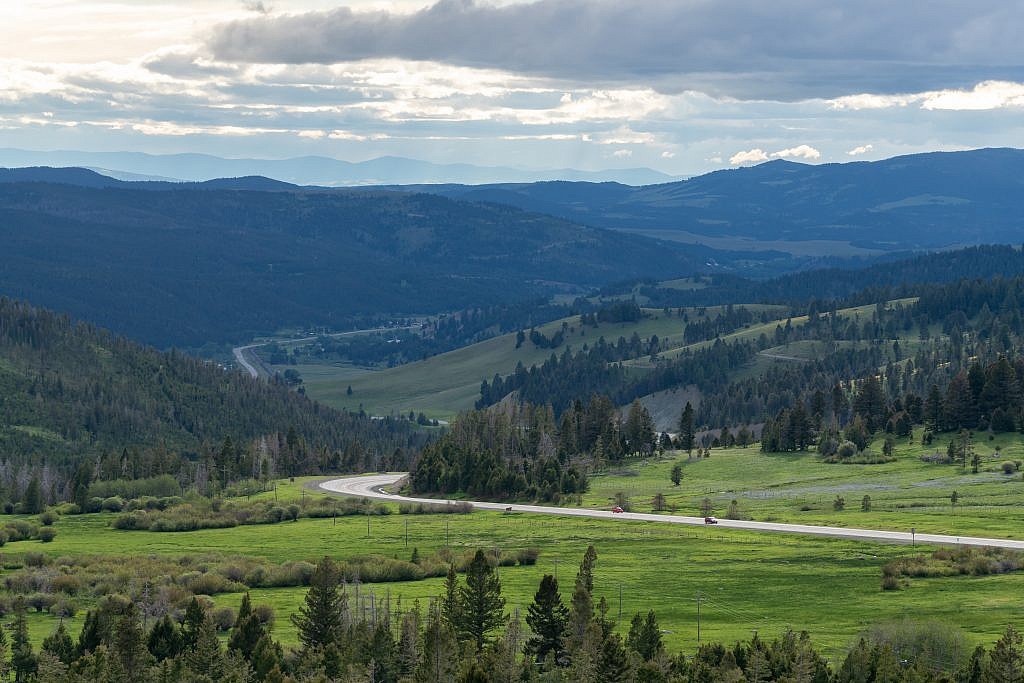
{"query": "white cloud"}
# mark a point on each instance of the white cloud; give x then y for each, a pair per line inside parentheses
(798, 152)
(668, 154)
(984, 96)
(751, 156)
(346, 135)
(860, 149)
(622, 153)
(311, 134)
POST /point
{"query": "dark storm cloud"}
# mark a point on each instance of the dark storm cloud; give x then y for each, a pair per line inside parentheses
(783, 49)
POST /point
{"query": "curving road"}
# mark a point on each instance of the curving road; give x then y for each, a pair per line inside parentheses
(371, 487)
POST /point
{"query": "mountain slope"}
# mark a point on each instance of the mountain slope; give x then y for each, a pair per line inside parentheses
(69, 390)
(909, 202)
(187, 264)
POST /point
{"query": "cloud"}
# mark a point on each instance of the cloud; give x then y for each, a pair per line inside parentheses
(668, 155)
(789, 49)
(984, 96)
(860, 149)
(798, 152)
(752, 156)
(622, 153)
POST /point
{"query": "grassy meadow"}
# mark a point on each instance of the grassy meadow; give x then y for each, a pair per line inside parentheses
(747, 581)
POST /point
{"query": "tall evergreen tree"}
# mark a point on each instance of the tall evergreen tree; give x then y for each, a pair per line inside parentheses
(319, 618)
(547, 617)
(164, 640)
(1006, 660)
(645, 636)
(60, 645)
(686, 429)
(480, 603)
(23, 659)
(247, 630)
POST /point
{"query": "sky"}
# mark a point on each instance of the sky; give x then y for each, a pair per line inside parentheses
(681, 86)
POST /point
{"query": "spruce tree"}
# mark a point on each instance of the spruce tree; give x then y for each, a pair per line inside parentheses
(1006, 660)
(60, 645)
(130, 644)
(206, 658)
(480, 603)
(164, 640)
(319, 618)
(247, 630)
(686, 429)
(547, 617)
(613, 665)
(195, 615)
(23, 660)
(644, 636)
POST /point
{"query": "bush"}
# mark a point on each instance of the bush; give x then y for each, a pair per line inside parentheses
(41, 602)
(528, 556)
(846, 449)
(890, 583)
(3, 538)
(64, 608)
(47, 518)
(293, 512)
(224, 618)
(20, 530)
(112, 504)
(47, 534)
(265, 613)
(1009, 467)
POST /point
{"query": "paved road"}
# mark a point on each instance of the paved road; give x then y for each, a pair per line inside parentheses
(239, 351)
(370, 487)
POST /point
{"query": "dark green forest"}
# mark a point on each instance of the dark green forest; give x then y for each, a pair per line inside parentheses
(186, 266)
(71, 393)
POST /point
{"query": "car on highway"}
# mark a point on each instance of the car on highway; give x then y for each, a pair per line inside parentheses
(617, 509)
(710, 520)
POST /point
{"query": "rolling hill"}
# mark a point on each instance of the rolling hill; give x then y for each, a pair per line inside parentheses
(921, 201)
(171, 264)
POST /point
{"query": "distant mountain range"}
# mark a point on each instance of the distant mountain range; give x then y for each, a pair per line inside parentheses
(311, 170)
(920, 201)
(185, 264)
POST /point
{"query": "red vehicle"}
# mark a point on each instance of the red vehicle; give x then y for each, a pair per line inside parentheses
(617, 509)
(710, 520)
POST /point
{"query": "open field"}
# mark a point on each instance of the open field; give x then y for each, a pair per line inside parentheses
(749, 581)
(801, 488)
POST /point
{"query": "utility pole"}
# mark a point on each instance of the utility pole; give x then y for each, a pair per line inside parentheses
(368, 522)
(446, 543)
(406, 532)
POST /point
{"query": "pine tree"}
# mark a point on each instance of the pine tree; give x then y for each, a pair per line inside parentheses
(164, 640)
(480, 603)
(129, 646)
(266, 657)
(60, 645)
(1006, 660)
(23, 660)
(206, 657)
(644, 636)
(547, 617)
(247, 630)
(686, 429)
(450, 601)
(613, 665)
(195, 615)
(319, 618)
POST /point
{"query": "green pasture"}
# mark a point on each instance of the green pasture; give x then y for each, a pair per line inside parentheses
(748, 581)
(801, 488)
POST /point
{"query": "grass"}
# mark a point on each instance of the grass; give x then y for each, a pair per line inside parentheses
(800, 488)
(748, 581)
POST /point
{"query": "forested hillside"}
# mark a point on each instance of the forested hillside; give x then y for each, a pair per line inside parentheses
(184, 265)
(71, 393)
(915, 201)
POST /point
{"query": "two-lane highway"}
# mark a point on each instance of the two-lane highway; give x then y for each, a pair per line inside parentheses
(372, 486)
